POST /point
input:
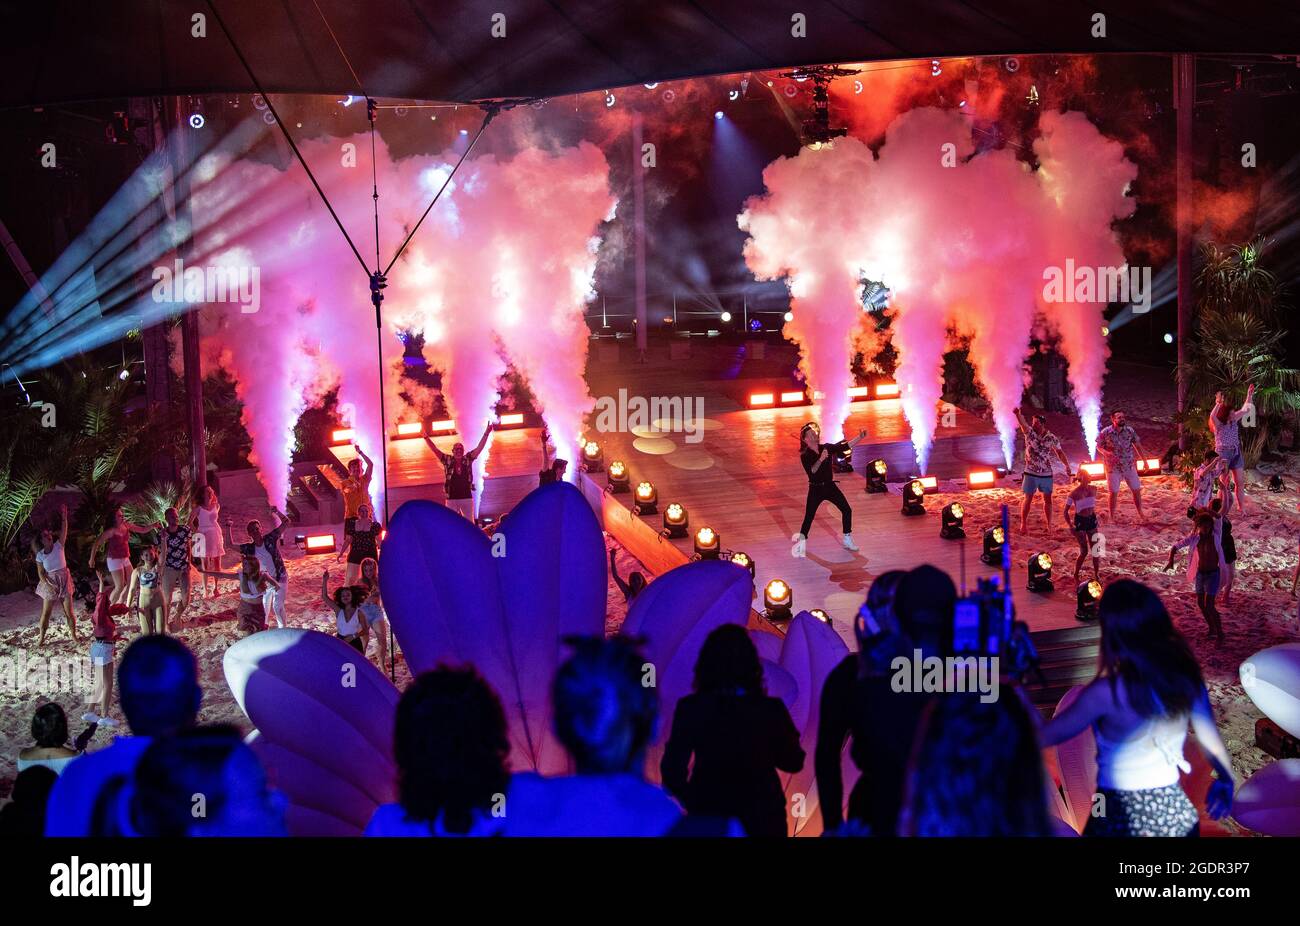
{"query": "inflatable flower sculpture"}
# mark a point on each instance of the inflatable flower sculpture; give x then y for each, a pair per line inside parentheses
(324, 716)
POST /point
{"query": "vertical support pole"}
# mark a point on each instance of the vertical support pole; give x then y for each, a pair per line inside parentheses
(638, 200)
(1185, 104)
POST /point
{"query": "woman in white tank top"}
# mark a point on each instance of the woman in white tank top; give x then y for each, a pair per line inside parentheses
(1147, 691)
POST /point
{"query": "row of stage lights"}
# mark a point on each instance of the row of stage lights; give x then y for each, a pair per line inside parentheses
(881, 390)
(407, 430)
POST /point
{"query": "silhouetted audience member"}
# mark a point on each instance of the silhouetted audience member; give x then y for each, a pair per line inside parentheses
(50, 735)
(605, 718)
(739, 738)
(159, 692)
(452, 748)
(858, 701)
(633, 585)
(201, 781)
(976, 770)
(24, 815)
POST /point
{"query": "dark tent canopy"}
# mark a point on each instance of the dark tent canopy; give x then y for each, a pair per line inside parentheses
(444, 50)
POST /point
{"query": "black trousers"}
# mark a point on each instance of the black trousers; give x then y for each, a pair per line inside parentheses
(826, 492)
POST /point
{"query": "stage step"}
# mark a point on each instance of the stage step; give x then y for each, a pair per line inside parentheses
(1067, 657)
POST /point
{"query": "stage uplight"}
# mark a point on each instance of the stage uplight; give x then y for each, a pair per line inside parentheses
(592, 457)
(792, 398)
(842, 462)
(1149, 467)
(409, 429)
(1088, 599)
(675, 520)
(821, 616)
(744, 560)
(953, 515)
(876, 472)
(929, 484)
(913, 495)
(444, 426)
(981, 479)
(1040, 573)
(647, 498)
(707, 543)
(994, 539)
(762, 399)
(510, 420)
(886, 390)
(856, 393)
(318, 543)
(1095, 470)
(617, 478)
(342, 436)
(778, 600)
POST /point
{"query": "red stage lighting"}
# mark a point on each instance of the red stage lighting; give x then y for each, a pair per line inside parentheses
(510, 420)
(445, 426)
(886, 390)
(762, 400)
(342, 435)
(981, 478)
(319, 543)
(788, 398)
(408, 429)
(1095, 470)
(1149, 467)
(929, 483)
(859, 392)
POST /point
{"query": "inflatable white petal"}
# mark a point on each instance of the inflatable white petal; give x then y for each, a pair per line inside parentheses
(503, 605)
(324, 717)
(1272, 680)
(674, 614)
(1077, 760)
(810, 650)
(1269, 801)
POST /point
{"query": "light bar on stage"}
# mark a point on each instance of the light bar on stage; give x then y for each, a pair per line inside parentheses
(342, 435)
(446, 426)
(1095, 470)
(886, 390)
(762, 400)
(929, 483)
(319, 543)
(1148, 467)
(859, 392)
(981, 478)
(407, 429)
(791, 397)
(511, 420)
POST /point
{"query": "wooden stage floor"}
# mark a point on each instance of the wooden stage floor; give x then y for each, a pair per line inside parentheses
(743, 478)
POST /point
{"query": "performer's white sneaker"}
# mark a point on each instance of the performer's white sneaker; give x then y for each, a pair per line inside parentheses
(849, 544)
(800, 550)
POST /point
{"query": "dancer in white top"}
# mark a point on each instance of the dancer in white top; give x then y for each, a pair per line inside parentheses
(54, 581)
(1148, 690)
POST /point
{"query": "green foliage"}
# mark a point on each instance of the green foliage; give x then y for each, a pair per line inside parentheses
(1239, 340)
(150, 506)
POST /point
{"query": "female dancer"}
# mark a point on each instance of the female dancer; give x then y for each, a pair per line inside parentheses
(352, 630)
(176, 564)
(817, 463)
(145, 595)
(1149, 688)
(117, 541)
(209, 546)
(54, 581)
(360, 543)
(1081, 518)
(372, 607)
(253, 586)
(1227, 443)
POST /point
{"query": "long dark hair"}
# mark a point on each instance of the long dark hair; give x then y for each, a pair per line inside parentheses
(50, 725)
(1141, 648)
(976, 770)
(728, 663)
(452, 747)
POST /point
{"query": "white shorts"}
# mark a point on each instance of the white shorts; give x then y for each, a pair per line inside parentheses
(1128, 474)
(117, 565)
(273, 601)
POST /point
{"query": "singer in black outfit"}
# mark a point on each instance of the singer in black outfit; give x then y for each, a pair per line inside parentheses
(818, 464)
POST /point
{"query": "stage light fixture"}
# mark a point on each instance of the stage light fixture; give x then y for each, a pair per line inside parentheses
(994, 540)
(913, 493)
(842, 462)
(1169, 338)
(1095, 470)
(726, 316)
(409, 429)
(821, 616)
(981, 479)
(762, 399)
(676, 521)
(789, 316)
(318, 543)
(859, 392)
(929, 483)
(952, 517)
(876, 471)
(647, 498)
(1088, 598)
(196, 121)
(592, 456)
(444, 426)
(886, 390)
(1149, 467)
(778, 600)
(792, 398)
(510, 420)
(1105, 331)
(718, 114)
(342, 436)
(617, 478)
(1040, 573)
(707, 543)
(744, 560)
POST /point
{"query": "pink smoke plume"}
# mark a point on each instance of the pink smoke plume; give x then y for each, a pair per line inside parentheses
(960, 238)
(499, 273)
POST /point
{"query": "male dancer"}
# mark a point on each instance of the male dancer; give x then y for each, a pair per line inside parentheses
(266, 549)
(458, 467)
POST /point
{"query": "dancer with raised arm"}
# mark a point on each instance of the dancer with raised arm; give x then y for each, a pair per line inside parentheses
(265, 548)
(360, 543)
(1040, 446)
(1081, 517)
(352, 628)
(53, 579)
(1206, 566)
(458, 466)
(356, 487)
(1120, 448)
(1225, 424)
(818, 463)
(176, 538)
(117, 544)
(253, 587)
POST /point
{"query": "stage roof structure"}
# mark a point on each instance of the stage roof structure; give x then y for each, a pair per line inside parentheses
(62, 51)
